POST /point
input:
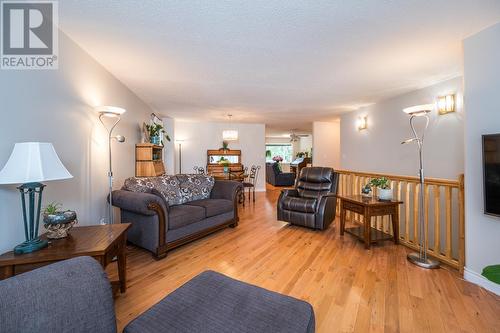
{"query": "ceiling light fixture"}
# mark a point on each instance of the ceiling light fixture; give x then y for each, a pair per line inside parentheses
(230, 134)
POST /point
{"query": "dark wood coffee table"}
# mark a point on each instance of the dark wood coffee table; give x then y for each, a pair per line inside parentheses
(368, 207)
(102, 242)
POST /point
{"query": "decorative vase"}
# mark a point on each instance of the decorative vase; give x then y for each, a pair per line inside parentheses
(59, 224)
(385, 194)
(155, 140)
(365, 191)
(226, 169)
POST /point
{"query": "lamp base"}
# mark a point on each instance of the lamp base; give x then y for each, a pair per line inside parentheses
(415, 259)
(31, 246)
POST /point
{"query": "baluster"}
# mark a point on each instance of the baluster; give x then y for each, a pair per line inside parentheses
(448, 222)
(437, 223)
(426, 215)
(461, 225)
(416, 195)
(407, 212)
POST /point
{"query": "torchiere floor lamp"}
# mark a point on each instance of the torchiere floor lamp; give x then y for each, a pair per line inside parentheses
(110, 112)
(420, 258)
(179, 142)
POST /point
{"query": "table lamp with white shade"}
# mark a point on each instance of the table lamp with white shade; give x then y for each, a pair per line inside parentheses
(29, 164)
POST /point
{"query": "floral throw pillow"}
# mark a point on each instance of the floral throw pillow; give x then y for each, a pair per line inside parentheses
(142, 185)
(169, 188)
(166, 187)
(195, 187)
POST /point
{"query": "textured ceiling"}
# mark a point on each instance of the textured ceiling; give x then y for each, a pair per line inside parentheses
(284, 63)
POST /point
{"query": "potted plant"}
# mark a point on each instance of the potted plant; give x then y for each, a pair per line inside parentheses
(268, 153)
(278, 159)
(384, 188)
(56, 221)
(155, 132)
(225, 146)
(225, 163)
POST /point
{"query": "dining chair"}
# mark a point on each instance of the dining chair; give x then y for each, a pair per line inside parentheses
(199, 170)
(251, 181)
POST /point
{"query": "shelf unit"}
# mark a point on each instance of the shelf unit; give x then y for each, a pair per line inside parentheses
(149, 160)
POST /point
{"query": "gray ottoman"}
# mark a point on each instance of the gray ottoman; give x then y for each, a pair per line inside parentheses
(212, 302)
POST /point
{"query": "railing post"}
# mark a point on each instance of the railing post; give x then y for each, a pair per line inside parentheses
(461, 223)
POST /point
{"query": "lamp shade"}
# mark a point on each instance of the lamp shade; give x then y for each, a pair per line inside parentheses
(32, 162)
(419, 110)
(112, 111)
(230, 135)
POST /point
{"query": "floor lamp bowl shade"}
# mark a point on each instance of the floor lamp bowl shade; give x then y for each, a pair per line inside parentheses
(29, 164)
(33, 162)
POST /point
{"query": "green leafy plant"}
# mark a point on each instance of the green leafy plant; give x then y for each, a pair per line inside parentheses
(381, 182)
(156, 129)
(225, 146)
(300, 154)
(268, 153)
(52, 208)
(224, 161)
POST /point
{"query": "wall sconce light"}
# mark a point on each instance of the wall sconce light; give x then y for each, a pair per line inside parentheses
(362, 123)
(446, 104)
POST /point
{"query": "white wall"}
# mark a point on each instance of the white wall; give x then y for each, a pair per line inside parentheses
(326, 144)
(482, 105)
(306, 143)
(169, 154)
(378, 148)
(201, 136)
(57, 106)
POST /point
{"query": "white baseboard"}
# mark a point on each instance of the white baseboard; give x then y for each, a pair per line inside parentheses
(480, 280)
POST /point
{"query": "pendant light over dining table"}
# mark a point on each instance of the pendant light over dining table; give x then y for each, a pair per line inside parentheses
(230, 134)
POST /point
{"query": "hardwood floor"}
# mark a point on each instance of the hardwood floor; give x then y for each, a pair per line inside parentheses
(350, 288)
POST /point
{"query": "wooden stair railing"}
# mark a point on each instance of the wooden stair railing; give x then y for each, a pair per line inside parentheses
(443, 216)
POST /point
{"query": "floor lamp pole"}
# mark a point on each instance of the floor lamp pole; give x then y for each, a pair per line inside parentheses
(180, 157)
(110, 170)
(420, 259)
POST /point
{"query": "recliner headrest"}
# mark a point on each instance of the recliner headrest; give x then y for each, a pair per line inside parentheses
(316, 175)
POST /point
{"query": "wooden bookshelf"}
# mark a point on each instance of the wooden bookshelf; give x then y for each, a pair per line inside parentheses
(149, 160)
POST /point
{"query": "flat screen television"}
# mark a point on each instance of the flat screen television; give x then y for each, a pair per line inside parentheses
(491, 167)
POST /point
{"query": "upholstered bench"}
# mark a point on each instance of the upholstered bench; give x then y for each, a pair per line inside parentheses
(212, 302)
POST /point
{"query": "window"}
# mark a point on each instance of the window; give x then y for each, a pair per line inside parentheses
(283, 150)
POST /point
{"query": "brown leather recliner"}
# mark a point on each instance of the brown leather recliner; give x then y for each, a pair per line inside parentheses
(313, 202)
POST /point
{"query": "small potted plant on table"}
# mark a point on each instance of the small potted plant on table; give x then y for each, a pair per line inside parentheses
(56, 221)
(384, 188)
(225, 163)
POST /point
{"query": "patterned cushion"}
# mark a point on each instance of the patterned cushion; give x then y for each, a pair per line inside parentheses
(304, 205)
(168, 187)
(195, 187)
(142, 185)
(175, 190)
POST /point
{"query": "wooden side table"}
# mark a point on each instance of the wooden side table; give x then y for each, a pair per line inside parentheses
(102, 242)
(368, 207)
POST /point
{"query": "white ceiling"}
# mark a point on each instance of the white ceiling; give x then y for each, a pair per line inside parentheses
(284, 63)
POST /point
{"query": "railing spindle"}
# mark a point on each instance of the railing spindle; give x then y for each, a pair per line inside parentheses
(437, 225)
(448, 222)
